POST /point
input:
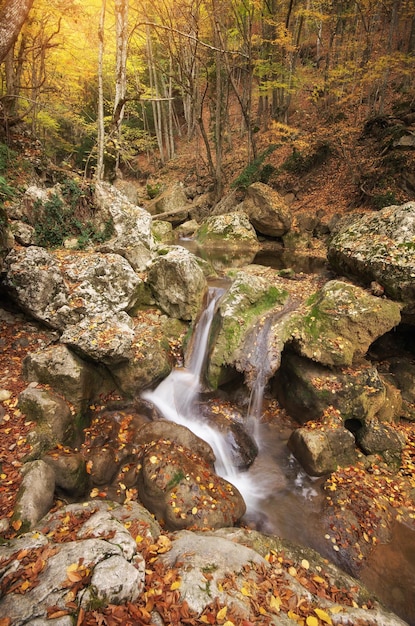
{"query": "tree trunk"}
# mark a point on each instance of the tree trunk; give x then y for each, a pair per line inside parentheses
(101, 129)
(13, 14)
(121, 16)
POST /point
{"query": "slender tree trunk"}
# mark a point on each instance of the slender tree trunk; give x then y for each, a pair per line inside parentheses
(121, 16)
(101, 128)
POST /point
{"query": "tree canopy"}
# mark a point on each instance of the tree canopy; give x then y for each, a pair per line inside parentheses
(172, 70)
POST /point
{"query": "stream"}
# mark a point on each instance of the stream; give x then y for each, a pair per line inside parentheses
(281, 499)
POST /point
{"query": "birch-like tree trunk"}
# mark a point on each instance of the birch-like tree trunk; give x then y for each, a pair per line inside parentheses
(121, 17)
(101, 127)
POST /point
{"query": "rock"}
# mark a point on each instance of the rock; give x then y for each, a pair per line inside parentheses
(183, 491)
(53, 417)
(379, 247)
(172, 204)
(232, 565)
(66, 373)
(181, 435)
(24, 234)
(267, 210)
(188, 229)
(232, 228)
(247, 299)
(178, 283)
(376, 438)
(403, 372)
(6, 238)
(162, 231)
(322, 450)
(69, 468)
(227, 204)
(216, 556)
(63, 288)
(115, 581)
(35, 495)
(131, 223)
(341, 323)
(105, 338)
(306, 389)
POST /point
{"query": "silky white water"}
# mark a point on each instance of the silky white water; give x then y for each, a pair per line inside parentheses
(176, 398)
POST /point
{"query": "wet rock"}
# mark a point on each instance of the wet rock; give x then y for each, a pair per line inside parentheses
(103, 464)
(267, 210)
(231, 228)
(379, 247)
(35, 495)
(53, 418)
(322, 450)
(178, 283)
(341, 323)
(181, 435)
(247, 299)
(57, 366)
(182, 490)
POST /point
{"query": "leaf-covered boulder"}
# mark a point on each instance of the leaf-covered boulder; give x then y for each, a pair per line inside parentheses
(340, 323)
(230, 229)
(62, 288)
(380, 247)
(183, 491)
(178, 283)
(267, 210)
(306, 389)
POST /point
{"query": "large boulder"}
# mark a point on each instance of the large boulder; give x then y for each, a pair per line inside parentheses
(341, 322)
(322, 450)
(97, 565)
(62, 288)
(229, 229)
(54, 421)
(248, 298)
(183, 491)
(35, 495)
(172, 204)
(57, 366)
(379, 247)
(133, 238)
(306, 389)
(178, 283)
(267, 210)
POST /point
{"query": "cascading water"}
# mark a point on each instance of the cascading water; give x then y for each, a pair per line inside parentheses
(176, 396)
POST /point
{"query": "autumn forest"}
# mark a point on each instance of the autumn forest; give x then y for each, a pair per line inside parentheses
(105, 84)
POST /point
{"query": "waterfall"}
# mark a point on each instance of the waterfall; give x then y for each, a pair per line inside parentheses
(176, 397)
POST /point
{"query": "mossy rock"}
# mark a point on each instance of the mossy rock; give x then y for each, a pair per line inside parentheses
(341, 322)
